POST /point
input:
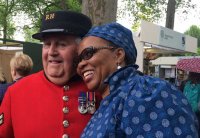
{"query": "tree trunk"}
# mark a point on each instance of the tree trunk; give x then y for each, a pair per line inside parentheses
(170, 14)
(4, 33)
(100, 11)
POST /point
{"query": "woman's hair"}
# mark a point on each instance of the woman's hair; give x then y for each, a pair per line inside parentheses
(2, 76)
(22, 64)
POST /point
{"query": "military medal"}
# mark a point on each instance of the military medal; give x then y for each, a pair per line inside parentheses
(91, 102)
(82, 100)
(86, 102)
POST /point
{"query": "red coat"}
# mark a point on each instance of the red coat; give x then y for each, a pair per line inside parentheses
(36, 108)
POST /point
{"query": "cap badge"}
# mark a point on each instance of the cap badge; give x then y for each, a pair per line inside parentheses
(50, 16)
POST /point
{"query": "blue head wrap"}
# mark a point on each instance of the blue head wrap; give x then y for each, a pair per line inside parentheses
(118, 35)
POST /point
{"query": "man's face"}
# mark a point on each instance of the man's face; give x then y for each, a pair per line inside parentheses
(58, 54)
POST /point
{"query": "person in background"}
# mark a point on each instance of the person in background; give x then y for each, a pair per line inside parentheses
(192, 92)
(2, 77)
(20, 66)
(45, 104)
(133, 105)
(180, 80)
(3, 85)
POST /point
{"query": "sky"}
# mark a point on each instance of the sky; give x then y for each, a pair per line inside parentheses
(182, 22)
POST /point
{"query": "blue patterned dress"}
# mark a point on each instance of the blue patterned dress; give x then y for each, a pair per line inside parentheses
(141, 107)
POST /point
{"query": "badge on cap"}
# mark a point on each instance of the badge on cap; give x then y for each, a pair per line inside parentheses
(86, 102)
(1, 118)
(50, 16)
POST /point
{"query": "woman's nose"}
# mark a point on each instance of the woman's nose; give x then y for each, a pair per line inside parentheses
(81, 65)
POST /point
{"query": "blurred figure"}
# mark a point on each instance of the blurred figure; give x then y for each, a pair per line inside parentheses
(2, 77)
(192, 92)
(3, 86)
(21, 66)
(179, 82)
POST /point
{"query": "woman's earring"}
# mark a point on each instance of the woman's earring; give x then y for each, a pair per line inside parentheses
(118, 66)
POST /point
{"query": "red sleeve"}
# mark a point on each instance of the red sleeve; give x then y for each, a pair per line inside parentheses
(6, 130)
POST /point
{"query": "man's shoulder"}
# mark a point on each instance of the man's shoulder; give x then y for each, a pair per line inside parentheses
(33, 76)
(28, 80)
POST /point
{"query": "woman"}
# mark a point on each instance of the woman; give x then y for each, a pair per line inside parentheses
(133, 105)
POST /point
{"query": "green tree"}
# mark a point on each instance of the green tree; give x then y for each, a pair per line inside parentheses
(36, 9)
(194, 31)
(8, 9)
(153, 10)
(28, 32)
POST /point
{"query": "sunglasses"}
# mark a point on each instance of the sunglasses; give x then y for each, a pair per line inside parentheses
(88, 52)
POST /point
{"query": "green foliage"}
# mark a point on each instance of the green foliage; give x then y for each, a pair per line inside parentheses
(74, 5)
(150, 10)
(11, 30)
(198, 51)
(8, 9)
(194, 31)
(28, 32)
(36, 9)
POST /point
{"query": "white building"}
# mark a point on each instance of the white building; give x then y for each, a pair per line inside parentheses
(156, 44)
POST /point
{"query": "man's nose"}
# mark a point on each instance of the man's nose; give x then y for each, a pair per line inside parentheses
(53, 49)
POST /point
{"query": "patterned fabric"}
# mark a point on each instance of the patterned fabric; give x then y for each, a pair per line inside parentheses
(142, 107)
(119, 35)
(192, 92)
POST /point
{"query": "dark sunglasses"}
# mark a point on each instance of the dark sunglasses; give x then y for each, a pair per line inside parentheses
(88, 52)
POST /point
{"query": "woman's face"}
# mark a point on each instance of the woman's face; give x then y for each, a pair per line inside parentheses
(95, 69)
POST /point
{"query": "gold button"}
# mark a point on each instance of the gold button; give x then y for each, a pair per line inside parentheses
(65, 136)
(66, 88)
(65, 123)
(65, 110)
(65, 98)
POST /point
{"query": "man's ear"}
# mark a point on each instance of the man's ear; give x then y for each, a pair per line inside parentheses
(120, 55)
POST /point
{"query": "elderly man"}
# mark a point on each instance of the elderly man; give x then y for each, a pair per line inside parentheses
(45, 104)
